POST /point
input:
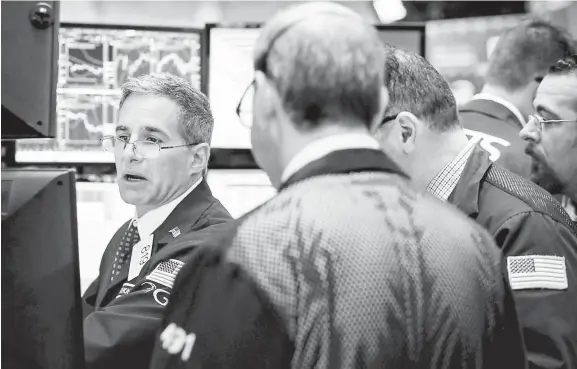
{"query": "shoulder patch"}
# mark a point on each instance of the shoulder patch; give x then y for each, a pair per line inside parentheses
(537, 272)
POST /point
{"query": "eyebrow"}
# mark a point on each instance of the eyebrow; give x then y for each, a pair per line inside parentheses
(151, 129)
(148, 129)
(542, 109)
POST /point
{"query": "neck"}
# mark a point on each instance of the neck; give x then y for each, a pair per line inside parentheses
(299, 140)
(515, 97)
(571, 192)
(441, 151)
(143, 209)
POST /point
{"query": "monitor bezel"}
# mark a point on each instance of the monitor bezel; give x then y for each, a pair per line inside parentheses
(219, 156)
(124, 27)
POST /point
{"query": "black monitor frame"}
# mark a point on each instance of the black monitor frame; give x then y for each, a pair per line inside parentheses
(41, 312)
(227, 158)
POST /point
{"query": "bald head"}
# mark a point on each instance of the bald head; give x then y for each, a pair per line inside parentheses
(326, 62)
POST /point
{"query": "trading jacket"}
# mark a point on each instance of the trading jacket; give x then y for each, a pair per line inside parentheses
(526, 220)
(497, 129)
(121, 318)
(346, 267)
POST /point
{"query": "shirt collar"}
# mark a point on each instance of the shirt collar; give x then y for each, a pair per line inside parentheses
(446, 180)
(505, 103)
(324, 146)
(570, 208)
(149, 222)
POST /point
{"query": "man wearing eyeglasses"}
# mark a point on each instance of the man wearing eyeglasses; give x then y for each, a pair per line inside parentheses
(552, 134)
(161, 149)
(517, 64)
(347, 266)
(421, 130)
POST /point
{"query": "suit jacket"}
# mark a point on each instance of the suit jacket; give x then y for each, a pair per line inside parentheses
(497, 129)
(524, 219)
(119, 331)
(346, 267)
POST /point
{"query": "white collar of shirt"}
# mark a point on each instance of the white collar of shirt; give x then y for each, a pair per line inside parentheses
(324, 146)
(570, 208)
(150, 221)
(505, 103)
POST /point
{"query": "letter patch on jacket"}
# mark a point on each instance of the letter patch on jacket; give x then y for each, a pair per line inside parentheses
(176, 341)
(537, 271)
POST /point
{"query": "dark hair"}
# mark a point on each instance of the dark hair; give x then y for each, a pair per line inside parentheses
(416, 86)
(196, 121)
(526, 52)
(565, 66)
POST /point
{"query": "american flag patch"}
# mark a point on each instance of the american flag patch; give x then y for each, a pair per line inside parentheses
(165, 273)
(537, 271)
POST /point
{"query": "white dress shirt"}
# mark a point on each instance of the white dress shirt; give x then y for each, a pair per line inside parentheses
(146, 225)
(324, 146)
(505, 103)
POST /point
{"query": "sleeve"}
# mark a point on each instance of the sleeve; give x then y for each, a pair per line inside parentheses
(89, 297)
(541, 266)
(122, 333)
(220, 319)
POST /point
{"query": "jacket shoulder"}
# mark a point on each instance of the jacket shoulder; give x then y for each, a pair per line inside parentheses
(526, 196)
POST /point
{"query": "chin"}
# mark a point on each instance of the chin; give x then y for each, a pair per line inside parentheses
(546, 180)
(132, 197)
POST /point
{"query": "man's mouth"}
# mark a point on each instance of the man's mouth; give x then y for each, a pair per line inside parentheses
(133, 177)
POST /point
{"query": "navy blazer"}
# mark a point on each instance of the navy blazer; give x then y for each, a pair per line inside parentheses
(498, 130)
(120, 319)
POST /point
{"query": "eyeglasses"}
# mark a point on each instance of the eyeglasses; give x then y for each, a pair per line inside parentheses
(543, 122)
(244, 110)
(144, 149)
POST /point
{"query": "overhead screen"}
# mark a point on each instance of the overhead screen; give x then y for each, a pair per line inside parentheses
(229, 60)
(94, 61)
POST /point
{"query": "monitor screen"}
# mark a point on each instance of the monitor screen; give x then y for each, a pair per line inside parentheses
(41, 306)
(229, 61)
(94, 61)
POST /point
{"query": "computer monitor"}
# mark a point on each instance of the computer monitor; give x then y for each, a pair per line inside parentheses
(41, 304)
(228, 64)
(94, 61)
(29, 68)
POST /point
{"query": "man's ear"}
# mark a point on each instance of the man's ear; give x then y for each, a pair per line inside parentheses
(408, 125)
(201, 155)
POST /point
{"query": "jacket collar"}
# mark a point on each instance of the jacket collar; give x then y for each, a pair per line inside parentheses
(346, 161)
(466, 193)
(185, 214)
(492, 109)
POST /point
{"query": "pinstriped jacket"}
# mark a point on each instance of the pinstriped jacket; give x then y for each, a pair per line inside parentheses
(347, 267)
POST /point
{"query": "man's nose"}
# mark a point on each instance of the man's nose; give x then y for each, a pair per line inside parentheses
(531, 131)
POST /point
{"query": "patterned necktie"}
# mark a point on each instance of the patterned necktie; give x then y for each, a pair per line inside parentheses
(122, 256)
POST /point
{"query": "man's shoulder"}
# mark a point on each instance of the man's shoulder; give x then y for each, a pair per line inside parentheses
(336, 203)
(509, 195)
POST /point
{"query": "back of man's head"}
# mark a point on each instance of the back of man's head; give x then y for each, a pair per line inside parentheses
(326, 63)
(415, 86)
(525, 53)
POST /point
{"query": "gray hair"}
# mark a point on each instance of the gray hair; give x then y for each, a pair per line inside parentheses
(326, 63)
(526, 52)
(416, 86)
(195, 115)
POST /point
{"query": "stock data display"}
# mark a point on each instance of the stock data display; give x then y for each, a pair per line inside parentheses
(93, 63)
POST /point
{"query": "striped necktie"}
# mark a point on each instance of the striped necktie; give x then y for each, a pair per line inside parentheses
(124, 251)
